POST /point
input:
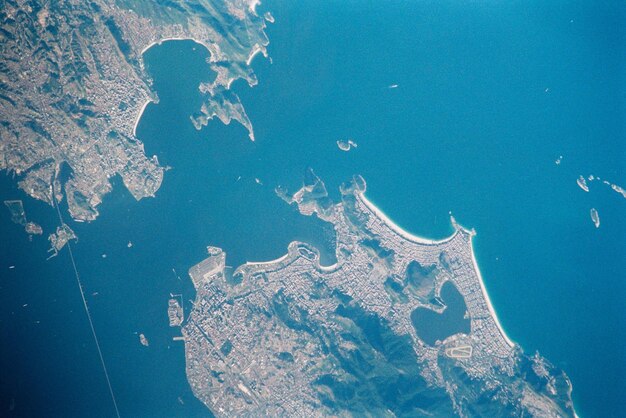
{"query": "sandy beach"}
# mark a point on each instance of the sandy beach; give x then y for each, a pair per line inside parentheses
(174, 38)
(486, 296)
(393, 226)
(139, 116)
(421, 240)
(253, 54)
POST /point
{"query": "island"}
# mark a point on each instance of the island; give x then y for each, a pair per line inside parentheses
(175, 311)
(398, 325)
(60, 238)
(18, 216)
(595, 217)
(582, 183)
(346, 145)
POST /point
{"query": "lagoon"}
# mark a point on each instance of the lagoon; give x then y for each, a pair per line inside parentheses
(433, 326)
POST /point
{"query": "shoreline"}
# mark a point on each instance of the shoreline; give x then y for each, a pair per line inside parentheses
(143, 108)
(492, 311)
(421, 240)
(397, 229)
(253, 54)
(411, 237)
(268, 262)
(143, 51)
(253, 5)
(174, 38)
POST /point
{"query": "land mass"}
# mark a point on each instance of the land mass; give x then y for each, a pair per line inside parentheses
(73, 86)
(295, 337)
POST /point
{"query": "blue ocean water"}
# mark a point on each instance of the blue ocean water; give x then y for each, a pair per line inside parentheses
(488, 97)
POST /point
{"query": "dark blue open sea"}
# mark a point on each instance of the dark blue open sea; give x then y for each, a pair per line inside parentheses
(489, 95)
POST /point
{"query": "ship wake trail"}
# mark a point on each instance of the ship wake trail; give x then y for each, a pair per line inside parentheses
(82, 295)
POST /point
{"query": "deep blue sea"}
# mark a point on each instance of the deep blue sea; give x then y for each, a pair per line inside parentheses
(488, 96)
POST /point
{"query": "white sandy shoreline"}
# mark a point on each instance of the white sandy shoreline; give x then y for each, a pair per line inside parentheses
(159, 42)
(492, 311)
(268, 262)
(413, 238)
(392, 225)
(396, 228)
(139, 116)
(253, 54)
(174, 38)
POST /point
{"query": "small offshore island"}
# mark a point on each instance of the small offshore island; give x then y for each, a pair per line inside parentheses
(294, 337)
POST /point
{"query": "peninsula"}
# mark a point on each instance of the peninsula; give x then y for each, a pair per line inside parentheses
(73, 87)
(295, 337)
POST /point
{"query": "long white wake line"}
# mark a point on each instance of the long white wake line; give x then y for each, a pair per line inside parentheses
(82, 295)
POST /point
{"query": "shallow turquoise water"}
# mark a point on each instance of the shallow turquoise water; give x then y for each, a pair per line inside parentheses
(470, 129)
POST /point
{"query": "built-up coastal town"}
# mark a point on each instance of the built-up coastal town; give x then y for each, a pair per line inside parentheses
(288, 337)
(73, 87)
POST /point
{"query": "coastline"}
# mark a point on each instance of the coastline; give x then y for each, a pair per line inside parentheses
(143, 108)
(257, 49)
(397, 229)
(407, 235)
(492, 311)
(174, 38)
(268, 262)
(421, 240)
(253, 5)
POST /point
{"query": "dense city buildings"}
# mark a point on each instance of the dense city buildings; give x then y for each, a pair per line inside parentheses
(293, 337)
